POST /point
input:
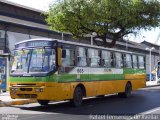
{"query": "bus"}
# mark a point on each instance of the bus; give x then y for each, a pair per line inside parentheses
(56, 70)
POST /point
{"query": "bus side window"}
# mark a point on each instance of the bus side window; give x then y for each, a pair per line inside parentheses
(112, 59)
(69, 58)
(81, 56)
(134, 58)
(94, 58)
(106, 58)
(119, 62)
(128, 61)
(141, 62)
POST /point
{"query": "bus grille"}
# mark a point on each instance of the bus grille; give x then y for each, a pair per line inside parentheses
(26, 89)
(27, 95)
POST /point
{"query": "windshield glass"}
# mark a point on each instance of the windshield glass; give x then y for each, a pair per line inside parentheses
(34, 60)
(42, 60)
(21, 61)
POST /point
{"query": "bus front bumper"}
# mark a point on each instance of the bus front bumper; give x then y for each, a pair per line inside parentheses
(28, 93)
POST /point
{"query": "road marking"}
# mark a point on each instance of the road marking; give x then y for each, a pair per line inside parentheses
(31, 117)
(143, 113)
(151, 111)
(27, 118)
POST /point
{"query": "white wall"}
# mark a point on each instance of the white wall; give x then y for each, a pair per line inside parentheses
(17, 37)
(154, 60)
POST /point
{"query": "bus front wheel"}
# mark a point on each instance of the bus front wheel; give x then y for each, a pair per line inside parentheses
(77, 97)
(43, 102)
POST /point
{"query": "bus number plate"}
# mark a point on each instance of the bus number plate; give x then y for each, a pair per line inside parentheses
(80, 71)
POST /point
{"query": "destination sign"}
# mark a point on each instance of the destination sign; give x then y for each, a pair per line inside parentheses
(35, 44)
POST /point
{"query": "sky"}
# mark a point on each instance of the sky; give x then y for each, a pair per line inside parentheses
(37, 4)
(150, 36)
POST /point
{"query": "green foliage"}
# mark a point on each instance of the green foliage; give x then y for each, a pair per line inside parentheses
(108, 18)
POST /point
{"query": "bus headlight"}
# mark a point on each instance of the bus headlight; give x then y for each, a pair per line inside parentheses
(38, 89)
(14, 89)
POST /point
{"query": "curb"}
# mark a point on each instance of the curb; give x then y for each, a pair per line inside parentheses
(152, 85)
(18, 102)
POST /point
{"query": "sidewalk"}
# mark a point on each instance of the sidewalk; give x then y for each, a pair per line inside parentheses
(152, 83)
(6, 100)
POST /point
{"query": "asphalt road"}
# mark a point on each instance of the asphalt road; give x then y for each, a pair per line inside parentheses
(142, 102)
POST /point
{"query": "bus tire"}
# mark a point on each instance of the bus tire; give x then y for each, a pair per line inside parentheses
(43, 102)
(128, 90)
(77, 97)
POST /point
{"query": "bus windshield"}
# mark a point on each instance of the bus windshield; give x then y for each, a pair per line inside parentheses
(34, 60)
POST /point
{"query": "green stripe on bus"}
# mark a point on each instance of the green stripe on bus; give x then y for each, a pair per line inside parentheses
(74, 77)
(68, 77)
(133, 71)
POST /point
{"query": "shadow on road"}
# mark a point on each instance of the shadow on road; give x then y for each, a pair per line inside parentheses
(140, 101)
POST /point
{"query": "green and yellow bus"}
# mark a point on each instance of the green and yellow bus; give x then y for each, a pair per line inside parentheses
(55, 70)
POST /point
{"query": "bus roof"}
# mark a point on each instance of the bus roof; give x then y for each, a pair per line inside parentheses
(77, 44)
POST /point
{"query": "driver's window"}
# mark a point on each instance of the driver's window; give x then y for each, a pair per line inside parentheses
(69, 60)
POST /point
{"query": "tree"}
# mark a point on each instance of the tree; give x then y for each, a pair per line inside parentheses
(112, 19)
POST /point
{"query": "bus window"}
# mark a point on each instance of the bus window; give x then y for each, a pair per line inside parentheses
(21, 61)
(52, 59)
(118, 57)
(69, 58)
(128, 61)
(93, 57)
(106, 58)
(42, 60)
(134, 58)
(81, 57)
(141, 61)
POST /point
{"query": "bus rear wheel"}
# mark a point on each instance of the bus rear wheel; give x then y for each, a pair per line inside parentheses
(77, 97)
(128, 90)
(43, 102)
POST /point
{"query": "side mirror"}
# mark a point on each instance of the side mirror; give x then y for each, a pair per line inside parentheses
(63, 53)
